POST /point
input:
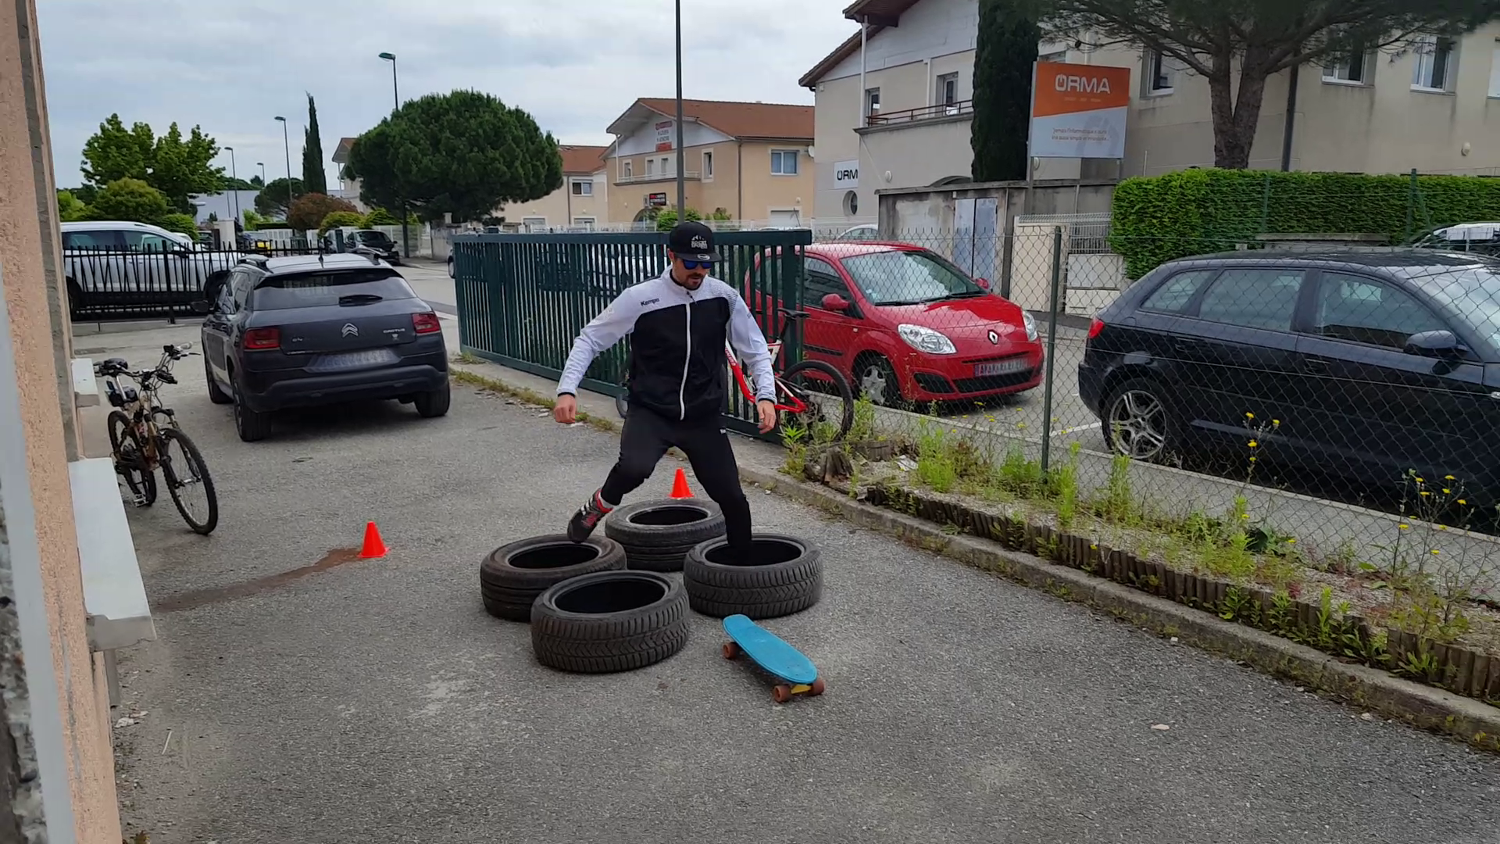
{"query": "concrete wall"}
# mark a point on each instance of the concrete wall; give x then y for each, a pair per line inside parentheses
(59, 716)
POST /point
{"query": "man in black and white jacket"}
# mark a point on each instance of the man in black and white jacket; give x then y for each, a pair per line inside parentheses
(678, 324)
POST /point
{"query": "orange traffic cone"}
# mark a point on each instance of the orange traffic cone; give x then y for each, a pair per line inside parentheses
(680, 486)
(374, 546)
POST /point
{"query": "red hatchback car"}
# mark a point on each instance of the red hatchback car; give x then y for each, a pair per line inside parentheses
(903, 323)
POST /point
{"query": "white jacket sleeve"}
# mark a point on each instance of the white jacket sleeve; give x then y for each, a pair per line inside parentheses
(750, 344)
(603, 331)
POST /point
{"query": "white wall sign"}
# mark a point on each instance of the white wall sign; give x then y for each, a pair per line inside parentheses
(846, 174)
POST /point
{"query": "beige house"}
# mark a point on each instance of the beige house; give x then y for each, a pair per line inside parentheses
(71, 589)
(750, 161)
(582, 203)
(894, 108)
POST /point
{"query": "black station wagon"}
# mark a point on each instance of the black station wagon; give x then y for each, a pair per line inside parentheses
(1364, 364)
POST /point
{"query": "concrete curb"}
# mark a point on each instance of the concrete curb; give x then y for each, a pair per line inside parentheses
(1422, 706)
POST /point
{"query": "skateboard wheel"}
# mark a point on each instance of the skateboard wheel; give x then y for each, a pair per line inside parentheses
(817, 687)
(731, 650)
(782, 693)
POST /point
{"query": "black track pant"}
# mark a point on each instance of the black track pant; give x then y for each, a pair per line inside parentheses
(648, 435)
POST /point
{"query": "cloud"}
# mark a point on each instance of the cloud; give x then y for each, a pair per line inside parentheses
(575, 65)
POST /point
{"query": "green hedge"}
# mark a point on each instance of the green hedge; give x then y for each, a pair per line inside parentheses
(1196, 212)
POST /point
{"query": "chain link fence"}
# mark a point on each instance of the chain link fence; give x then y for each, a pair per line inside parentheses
(1312, 416)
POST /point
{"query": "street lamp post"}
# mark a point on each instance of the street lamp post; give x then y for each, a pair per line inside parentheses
(262, 166)
(286, 140)
(235, 189)
(396, 94)
(681, 190)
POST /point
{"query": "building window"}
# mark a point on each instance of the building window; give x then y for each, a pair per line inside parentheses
(650, 167)
(534, 223)
(851, 203)
(783, 162)
(585, 223)
(947, 89)
(1355, 67)
(583, 187)
(666, 167)
(708, 164)
(872, 102)
(1158, 74)
(626, 168)
(1436, 65)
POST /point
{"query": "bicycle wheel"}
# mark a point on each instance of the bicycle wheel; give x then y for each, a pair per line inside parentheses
(129, 454)
(818, 411)
(183, 469)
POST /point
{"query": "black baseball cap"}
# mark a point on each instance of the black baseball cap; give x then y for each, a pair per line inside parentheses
(692, 241)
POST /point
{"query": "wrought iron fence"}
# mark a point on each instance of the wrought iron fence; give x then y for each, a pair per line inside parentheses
(523, 298)
(113, 283)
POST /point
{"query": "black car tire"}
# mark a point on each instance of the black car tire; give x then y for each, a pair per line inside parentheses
(789, 581)
(215, 393)
(889, 394)
(1170, 430)
(513, 575)
(657, 535)
(435, 403)
(610, 621)
(252, 426)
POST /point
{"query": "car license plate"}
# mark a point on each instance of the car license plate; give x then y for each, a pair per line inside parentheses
(1000, 367)
(352, 360)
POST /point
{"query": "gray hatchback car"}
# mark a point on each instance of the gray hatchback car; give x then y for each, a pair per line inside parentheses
(308, 330)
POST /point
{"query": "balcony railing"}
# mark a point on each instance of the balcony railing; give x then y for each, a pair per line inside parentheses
(691, 175)
(918, 115)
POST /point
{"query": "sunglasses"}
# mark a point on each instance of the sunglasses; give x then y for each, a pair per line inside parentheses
(693, 265)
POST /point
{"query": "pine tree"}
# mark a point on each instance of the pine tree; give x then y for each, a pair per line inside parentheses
(1007, 47)
(314, 177)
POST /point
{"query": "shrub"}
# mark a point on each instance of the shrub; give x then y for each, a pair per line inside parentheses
(308, 211)
(1195, 212)
(341, 218)
(132, 200)
(180, 223)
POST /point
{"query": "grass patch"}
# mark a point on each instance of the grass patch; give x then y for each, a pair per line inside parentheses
(528, 396)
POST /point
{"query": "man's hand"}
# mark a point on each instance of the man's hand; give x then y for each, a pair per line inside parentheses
(565, 410)
(767, 415)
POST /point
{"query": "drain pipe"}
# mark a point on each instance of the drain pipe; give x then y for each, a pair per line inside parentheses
(864, 28)
(1291, 119)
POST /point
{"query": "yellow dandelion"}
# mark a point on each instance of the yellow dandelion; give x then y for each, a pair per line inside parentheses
(1461, 501)
(1446, 490)
(1419, 480)
(1275, 423)
(1291, 540)
(1249, 415)
(1406, 527)
(1253, 443)
(1252, 460)
(1449, 478)
(1434, 552)
(1442, 527)
(1425, 492)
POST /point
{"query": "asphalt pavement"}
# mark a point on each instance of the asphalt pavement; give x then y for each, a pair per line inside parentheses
(376, 701)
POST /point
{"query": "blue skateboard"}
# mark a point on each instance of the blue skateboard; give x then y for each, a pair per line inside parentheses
(798, 674)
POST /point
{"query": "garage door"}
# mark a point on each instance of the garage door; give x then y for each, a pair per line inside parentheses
(785, 218)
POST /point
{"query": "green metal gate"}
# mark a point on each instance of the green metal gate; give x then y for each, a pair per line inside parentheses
(523, 298)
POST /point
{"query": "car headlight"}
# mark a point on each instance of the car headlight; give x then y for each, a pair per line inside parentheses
(1030, 323)
(924, 339)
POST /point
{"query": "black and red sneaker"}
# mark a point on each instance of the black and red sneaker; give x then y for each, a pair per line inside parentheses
(587, 518)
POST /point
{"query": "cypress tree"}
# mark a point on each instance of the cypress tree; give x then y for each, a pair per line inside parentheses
(1007, 47)
(314, 177)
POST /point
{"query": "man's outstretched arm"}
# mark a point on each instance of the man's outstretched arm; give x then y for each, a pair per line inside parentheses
(603, 331)
(750, 344)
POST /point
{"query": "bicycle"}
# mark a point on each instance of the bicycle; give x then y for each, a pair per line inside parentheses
(140, 443)
(798, 403)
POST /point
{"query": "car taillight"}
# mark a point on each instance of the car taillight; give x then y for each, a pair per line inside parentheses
(1096, 325)
(262, 339)
(426, 323)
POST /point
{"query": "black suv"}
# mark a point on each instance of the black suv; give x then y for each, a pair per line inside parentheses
(1367, 364)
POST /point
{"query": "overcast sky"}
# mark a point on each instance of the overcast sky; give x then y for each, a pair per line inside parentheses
(575, 65)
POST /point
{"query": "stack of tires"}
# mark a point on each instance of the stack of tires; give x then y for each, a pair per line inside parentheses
(607, 604)
(657, 535)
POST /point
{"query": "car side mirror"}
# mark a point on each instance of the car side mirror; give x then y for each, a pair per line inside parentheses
(1441, 344)
(201, 306)
(835, 302)
(983, 282)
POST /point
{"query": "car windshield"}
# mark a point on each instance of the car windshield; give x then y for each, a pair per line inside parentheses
(319, 289)
(373, 238)
(1472, 296)
(898, 277)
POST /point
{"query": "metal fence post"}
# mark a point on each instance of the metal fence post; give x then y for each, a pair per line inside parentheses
(1053, 306)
